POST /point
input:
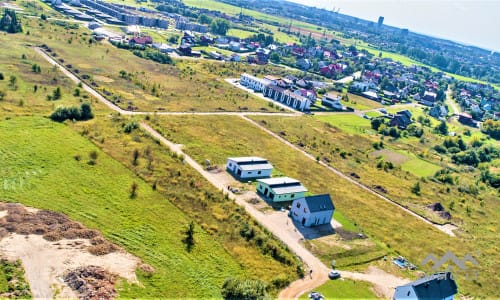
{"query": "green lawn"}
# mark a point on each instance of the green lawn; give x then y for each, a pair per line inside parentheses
(39, 169)
(344, 289)
(373, 114)
(419, 167)
(348, 122)
(242, 34)
(361, 103)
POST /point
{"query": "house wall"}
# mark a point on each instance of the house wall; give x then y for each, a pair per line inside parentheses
(300, 213)
(405, 292)
(233, 168)
(268, 193)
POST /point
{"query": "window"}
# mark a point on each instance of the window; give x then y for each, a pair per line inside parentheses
(292, 195)
(230, 164)
(298, 205)
(305, 209)
(260, 172)
(249, 172)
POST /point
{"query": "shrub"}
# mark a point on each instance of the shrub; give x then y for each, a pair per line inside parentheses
(82, 113)
(130, 126)
(245, 289)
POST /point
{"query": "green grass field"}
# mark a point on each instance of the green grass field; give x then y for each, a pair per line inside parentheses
(349, 123)
(344, 289)
(360, 103)
(40, 170)
(419, 167)
(216, 138)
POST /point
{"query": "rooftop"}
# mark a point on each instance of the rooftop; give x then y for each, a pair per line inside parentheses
(319, 203)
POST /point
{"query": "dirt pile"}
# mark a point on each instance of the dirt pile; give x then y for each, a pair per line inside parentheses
(51, 225)
(439, 209)
(91, 282)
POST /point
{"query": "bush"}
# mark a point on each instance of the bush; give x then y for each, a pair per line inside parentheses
(244, 289)
(130, 126)
(82, 113)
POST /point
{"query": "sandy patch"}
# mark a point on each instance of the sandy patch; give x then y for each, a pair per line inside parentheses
(47, 255)
(45, 262)
(102, 79)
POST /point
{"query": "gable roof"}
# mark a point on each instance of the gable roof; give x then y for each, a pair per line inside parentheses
(437, 286)
(319, 203)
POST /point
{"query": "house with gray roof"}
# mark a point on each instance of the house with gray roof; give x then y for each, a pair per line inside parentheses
(313, 210)
(280, 189)
(440, 286)
(250, 167)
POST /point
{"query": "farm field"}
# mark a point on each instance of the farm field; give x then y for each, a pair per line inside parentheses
(216, 138)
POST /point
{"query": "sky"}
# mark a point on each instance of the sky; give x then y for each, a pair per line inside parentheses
(472, 22)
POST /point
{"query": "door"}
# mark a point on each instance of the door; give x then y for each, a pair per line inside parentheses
(303, 221)
(265, 192)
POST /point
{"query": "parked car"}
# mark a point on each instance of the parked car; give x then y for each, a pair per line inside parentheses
(334, 274)
(384, 111)
(315, 296)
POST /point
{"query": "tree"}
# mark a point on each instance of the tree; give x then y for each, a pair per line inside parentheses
(12, 81)
(56, 94)
(376, 122)
(189, 239)
(442, 128)
(174, 39)
(2, 95)
(9, 22)
(135, 157)
(204, 19)
(219, 26)
(86, 111)
(43, 17)
(491, 128)
(274, 57)
(133, 190)
(245, 289)
(415, 189)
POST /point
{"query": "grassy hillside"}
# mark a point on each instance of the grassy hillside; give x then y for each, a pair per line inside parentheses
(41, 168)
(216, 138)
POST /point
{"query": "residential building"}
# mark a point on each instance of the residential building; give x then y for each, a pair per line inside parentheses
(252, 82)
(332, 100)
(402, 119)
(440, 286)
(287, 97)
(313, 210)
(439, 111)
(249, 167)
(280, 189)
(428, 98)
(466, 119)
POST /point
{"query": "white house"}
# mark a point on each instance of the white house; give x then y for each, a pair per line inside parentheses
(252, 82)
(332, 100)
(313, 210)
(249, 167)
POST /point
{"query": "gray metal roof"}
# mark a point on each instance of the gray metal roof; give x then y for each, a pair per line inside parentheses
(289, 189)
(247, 159)
(279, 180)
(254, 167)
(437, 286)
(319, 203)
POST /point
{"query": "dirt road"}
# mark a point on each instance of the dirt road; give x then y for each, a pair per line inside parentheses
(289, 237)
(340, 174)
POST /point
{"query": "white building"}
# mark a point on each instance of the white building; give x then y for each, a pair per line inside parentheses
(287, 97)
(313, 210)
(332, 100)
(252, 82)
(249, 167)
